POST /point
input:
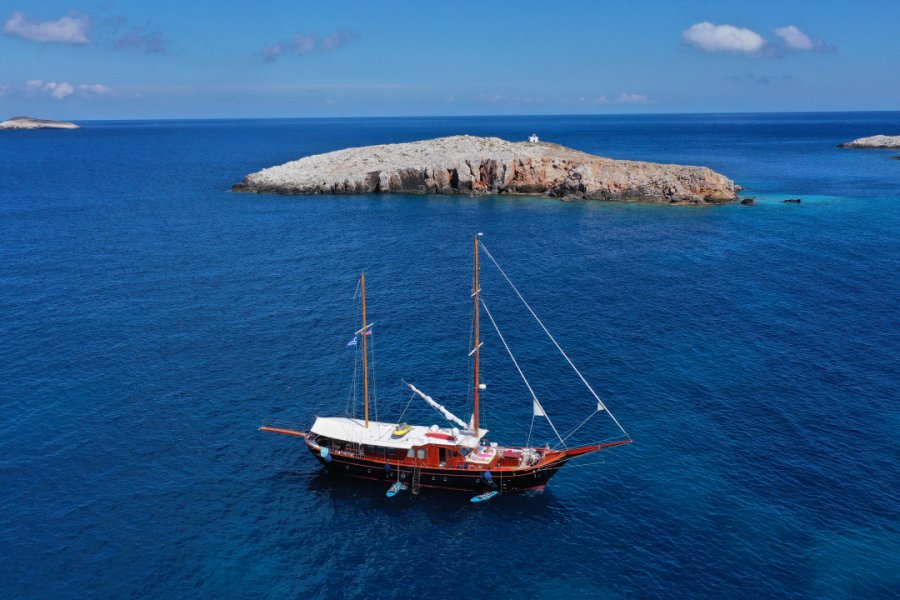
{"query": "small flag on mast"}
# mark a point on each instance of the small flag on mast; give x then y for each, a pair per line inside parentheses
(352, 342)
(538, 409)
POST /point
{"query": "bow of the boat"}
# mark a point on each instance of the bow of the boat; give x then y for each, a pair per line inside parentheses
(283, 431)
(571, 453)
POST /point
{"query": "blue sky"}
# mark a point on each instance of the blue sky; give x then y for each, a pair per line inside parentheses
(83, 59)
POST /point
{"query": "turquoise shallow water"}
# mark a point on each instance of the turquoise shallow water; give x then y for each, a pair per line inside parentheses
(151, 320)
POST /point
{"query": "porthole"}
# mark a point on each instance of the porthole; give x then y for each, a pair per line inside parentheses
(445, 479)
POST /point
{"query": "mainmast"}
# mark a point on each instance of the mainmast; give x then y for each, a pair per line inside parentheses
(475, 296)
(364, 348)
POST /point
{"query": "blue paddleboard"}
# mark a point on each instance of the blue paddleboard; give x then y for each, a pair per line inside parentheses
(484, 497)
(392, 491)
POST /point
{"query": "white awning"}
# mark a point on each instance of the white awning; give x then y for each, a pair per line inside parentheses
(380, 434)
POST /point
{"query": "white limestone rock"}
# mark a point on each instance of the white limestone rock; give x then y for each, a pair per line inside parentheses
(875, 141)
(481, 166)
(29, 123)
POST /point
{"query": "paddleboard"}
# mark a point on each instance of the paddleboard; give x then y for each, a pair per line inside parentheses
(484, 497)
(394, 489)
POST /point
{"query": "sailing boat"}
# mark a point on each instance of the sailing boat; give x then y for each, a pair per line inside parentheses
(457, 457)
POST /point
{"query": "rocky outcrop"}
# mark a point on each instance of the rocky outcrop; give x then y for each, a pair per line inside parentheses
(29, 123)
(875, 141)
(480, 166)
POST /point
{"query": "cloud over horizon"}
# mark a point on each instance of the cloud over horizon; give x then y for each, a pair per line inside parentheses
(64, 89)
(305, 43)
(723, 38)
(65, 30)
(794, 38)
(713, 38)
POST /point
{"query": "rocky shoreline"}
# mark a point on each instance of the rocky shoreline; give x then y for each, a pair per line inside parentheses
(888, 142)
(30, 123)
(478, 166)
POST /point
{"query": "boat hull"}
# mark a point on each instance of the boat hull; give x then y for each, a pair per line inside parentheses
(467, 480)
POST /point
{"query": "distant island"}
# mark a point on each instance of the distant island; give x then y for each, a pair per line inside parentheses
(30, 123)
(875, 141)
(481, 166)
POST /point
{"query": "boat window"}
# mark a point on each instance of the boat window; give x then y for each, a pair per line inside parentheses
(421, 453)
(411, 453)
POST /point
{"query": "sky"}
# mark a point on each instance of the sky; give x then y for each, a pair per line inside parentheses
(107, 59)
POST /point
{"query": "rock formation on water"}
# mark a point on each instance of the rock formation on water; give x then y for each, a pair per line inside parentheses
(480, 166)
(29, 123)
(875, 141)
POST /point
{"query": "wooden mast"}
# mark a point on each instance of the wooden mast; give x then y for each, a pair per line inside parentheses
(365, 351)
(475, 296)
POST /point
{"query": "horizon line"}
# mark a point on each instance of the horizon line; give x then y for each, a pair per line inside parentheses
(488, 115)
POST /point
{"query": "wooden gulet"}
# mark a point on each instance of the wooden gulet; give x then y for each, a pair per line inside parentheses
(453, 458)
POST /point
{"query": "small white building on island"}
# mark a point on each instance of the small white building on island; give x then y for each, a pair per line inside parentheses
(533, 138)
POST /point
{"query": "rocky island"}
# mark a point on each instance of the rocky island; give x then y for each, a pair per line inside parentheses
(875, 141)
(480, 166)
(29, 123)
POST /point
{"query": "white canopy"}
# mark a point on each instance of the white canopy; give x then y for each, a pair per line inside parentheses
(379, 434)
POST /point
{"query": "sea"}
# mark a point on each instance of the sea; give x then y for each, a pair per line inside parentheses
(151, 321)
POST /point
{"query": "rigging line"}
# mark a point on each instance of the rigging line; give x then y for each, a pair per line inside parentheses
(350, 407)
(572, 431)
(521, 374)
(555, 343)
(530, 430)
(374, 385)
(400, 418)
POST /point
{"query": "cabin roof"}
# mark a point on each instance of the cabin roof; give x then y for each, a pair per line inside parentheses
(379, 433)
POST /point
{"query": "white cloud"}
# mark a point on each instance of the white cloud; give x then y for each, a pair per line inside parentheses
(66, 30)
(794, 38)
(94, 88)
(723, 38)
(63, 89)
(336, 39)
(305, 43)
(631, 98)
(59, 90)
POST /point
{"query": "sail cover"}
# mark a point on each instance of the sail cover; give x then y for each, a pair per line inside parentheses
(438, 407)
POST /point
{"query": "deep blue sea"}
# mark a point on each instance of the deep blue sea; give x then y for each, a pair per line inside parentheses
(151, 320)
